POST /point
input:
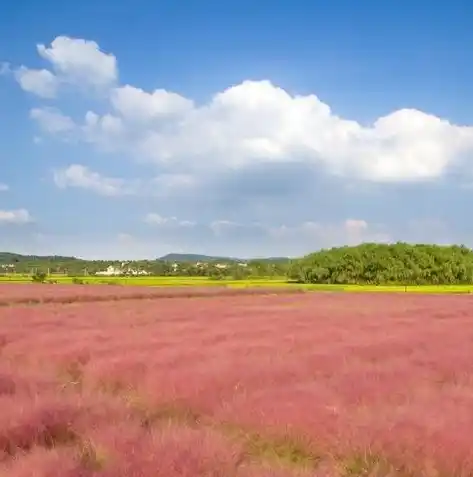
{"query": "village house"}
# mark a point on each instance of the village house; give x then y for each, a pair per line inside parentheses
(115, 271)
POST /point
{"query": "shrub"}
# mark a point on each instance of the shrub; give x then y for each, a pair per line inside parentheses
(39, 277)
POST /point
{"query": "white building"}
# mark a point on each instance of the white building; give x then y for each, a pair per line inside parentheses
(111, 270)
(115, 271)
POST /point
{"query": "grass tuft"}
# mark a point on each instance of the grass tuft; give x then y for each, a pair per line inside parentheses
(72, 375)
(284, 450)
(368, 464)
(90, 457)
(49, 437)
(169, 413)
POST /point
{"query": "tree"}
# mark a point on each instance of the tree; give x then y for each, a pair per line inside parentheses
(39, 277)
(400, 263)
(238, 272)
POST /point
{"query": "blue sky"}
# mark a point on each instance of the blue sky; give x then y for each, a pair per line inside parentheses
(134, 129)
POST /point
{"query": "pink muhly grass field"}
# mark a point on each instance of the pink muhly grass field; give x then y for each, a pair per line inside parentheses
(241, 386)
(11, 294)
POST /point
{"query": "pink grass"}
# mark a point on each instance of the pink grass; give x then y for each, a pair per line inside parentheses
(11, 294)
(42, 462)
(361, 380)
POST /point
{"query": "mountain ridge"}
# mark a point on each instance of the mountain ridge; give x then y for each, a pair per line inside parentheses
(10, 257)
(195, 257)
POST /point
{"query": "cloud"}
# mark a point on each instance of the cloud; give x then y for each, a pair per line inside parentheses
(74, 61)
(79, 176)
(52, 121)
(80, 62)
(134, 104)
(40, 82)
(4, 187)
(106, 132)
(258, 123)
(248, 124)
(17, 217)
(157, 219)
(107, 124)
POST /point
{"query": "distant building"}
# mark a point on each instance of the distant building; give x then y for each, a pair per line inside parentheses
(132, 271)
(111, 270)
(7, 268)
(115, 271)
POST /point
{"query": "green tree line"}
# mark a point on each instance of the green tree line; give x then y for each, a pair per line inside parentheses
(74, 267)
(378, 264)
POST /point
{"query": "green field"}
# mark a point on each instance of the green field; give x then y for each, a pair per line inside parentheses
(254, 282)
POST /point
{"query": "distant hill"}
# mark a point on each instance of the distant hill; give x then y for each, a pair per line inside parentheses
(274, 259)
(7, 257)
(193, 257)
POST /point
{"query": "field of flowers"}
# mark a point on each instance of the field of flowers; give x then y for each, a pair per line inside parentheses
(242, 385)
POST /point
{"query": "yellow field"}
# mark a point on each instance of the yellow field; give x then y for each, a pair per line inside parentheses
(254, 282)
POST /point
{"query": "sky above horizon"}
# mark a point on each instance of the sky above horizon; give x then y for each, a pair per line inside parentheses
(135, 129)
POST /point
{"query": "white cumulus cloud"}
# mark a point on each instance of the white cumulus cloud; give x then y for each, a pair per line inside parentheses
(258, 122)
(52, 121)
(74, 61)
(79, 176)
(138, 105)
(251, 123)
(80, 61)
(40, 82)
(16, 216)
